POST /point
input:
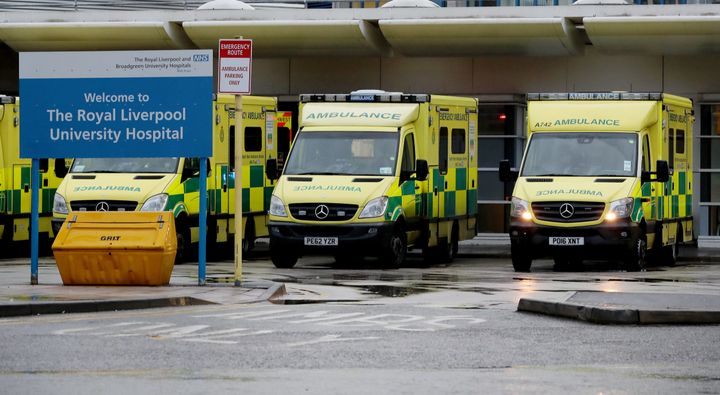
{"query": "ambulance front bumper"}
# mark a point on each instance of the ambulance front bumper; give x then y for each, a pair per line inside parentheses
(303, 239)
(603, 241)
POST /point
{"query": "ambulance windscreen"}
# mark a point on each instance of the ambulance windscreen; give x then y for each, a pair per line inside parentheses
(582, 154)
(124, 165)
(343, 153)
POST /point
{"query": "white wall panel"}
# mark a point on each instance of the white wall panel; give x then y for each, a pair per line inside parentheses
(337, 75)
(431, 75)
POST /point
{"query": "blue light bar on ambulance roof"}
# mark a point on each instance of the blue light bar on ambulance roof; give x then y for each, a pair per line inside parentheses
(595, 96)
(367, 96)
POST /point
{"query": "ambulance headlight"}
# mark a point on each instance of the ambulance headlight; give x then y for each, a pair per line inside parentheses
(375, 208)
(621, 208)
(59, 205)
(520, 209)
(277, 207)
(155, 203)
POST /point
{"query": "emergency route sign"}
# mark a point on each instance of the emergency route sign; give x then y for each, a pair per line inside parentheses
(116, 104)
(235, 66)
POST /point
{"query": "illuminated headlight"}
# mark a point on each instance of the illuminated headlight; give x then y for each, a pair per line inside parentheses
(375, 208)
(277, 207)
(621, 208)
(155, 203)
(520, 209)
(59, 205)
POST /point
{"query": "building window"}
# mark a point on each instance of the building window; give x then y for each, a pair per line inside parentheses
(709, 169)
(501, 135)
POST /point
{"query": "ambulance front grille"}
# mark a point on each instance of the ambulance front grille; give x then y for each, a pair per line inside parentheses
(331, 212)
(568, 211)
(103, 205)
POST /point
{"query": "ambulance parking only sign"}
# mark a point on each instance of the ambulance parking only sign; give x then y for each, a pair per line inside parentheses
(235, 66)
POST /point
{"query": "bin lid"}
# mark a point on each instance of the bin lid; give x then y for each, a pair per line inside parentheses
(117, 231)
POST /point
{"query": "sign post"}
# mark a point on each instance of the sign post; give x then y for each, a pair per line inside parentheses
(116, 104)
(234, 76)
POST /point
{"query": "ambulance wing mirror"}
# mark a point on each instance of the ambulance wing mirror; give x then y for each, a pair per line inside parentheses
(662, 173)
(61, 168)
(421, 170)
(505, 171)
(271, 169)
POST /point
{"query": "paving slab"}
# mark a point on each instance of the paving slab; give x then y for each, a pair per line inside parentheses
(634, 308)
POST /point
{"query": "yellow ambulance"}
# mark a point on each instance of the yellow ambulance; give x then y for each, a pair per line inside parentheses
(15, 187)
(374, 173)
(604, 175)
(171, 184)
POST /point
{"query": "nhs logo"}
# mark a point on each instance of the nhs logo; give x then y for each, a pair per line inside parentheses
(201, 58)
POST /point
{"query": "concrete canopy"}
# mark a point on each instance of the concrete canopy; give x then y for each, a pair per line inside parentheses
(664, 35)
(447, 37)
(384, 32)
(283, 38)
(95, 36)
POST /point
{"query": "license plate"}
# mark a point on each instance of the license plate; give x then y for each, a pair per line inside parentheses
(321, 241)
(567, 241)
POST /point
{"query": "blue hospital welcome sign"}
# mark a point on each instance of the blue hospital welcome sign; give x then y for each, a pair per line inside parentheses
(116, 104)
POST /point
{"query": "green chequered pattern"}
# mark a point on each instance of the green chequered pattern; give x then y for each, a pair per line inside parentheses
(674, 202)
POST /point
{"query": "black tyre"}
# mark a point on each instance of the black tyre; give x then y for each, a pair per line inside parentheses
(454, 240)
(248, 241)
(394, 253)
(283, 260)
(669, 254)
(182, 235)
(521, 260)
(636, 258)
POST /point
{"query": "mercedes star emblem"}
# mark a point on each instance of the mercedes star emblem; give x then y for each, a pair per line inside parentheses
(322, 211)
(102, 206)
(567, 210)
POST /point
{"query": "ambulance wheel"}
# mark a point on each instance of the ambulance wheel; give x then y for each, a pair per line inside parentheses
(669, 254)
(637, 257)
(521, 260)
(394, 253)
(248, 241)
(454, 240)
(444, 252)
(283, 261)
(183, 244)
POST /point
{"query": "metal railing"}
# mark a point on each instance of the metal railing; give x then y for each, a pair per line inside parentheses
(139, 5)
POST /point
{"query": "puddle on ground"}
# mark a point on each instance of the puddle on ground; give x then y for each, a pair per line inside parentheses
(392, 291)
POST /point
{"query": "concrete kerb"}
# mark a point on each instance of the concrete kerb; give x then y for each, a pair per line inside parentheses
(617, 316)
(272, 292)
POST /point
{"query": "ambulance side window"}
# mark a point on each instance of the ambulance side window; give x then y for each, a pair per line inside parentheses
(671, 148)
(443, 153)
(253, 139)
(408, 158)
(679, 141)
(458, 141)
(191, 168)
(646, 154)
